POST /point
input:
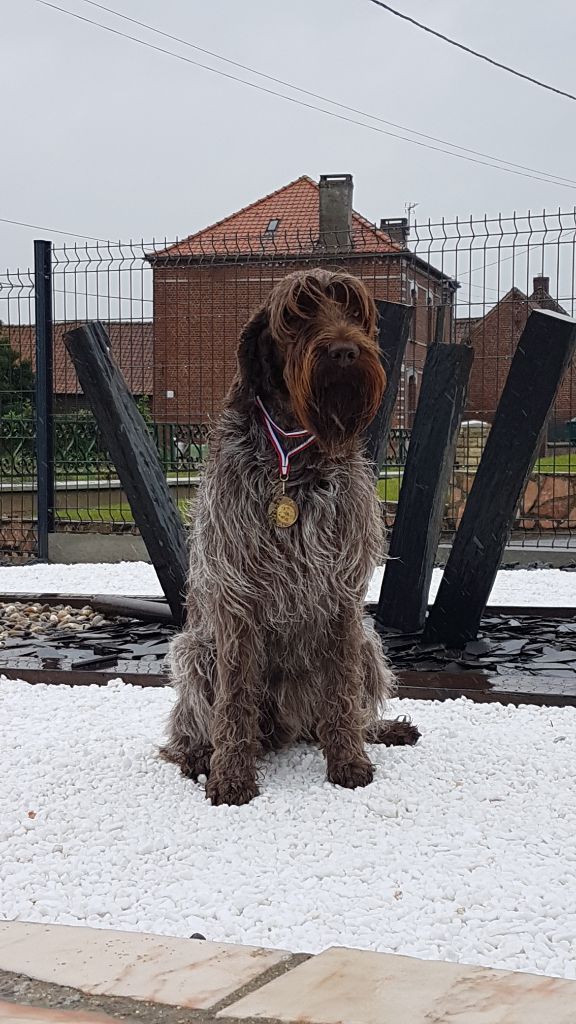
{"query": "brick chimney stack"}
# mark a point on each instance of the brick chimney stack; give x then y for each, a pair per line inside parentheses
(541, 287)
(397, 228)
(336, 211)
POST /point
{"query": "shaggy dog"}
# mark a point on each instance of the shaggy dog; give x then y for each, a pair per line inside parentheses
(286, 535)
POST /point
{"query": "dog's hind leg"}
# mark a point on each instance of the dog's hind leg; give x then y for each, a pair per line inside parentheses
(379, 683)
(192, 661)
(393, 732)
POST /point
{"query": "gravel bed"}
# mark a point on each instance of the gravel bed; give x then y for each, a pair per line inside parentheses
(25, 620)
(463, 848)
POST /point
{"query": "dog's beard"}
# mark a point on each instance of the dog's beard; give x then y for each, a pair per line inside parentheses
(336, 404)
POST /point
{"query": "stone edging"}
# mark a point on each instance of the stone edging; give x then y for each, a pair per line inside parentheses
(67, 975)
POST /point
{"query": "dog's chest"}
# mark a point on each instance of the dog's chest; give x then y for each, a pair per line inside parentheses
(321, 503)
(330, 545)
(288, 573)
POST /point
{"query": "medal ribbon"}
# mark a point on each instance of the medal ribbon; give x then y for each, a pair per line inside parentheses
(274, 433)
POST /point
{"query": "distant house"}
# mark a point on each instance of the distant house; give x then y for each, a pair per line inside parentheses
(494, 338)
(131, 343)
(206, 287)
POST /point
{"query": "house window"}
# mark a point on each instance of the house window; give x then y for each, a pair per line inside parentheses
(412, 398)
(272, 226)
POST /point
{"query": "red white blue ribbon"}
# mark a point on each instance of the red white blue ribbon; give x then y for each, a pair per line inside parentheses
(275, 432)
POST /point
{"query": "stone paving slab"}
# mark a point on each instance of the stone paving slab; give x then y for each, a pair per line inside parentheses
(177, 972)
(93, 976)
(350, 986)
(13, 1013)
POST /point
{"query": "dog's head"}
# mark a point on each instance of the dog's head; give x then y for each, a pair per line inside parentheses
(313, 344)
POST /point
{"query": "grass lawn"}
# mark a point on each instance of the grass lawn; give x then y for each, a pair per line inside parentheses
(387, 490)
(104, 514)
(557, 464)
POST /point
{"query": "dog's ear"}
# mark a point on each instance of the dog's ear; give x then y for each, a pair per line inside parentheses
(260, 362)
(250, 368)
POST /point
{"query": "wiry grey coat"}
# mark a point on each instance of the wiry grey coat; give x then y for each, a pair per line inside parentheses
(274, 649)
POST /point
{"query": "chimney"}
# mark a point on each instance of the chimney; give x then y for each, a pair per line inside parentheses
(541, 287)
(336, 211)
(398, 229)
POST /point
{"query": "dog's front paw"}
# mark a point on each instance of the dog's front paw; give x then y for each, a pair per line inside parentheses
(232, 791)
(352, 775)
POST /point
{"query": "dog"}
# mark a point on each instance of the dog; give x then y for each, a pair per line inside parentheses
(285, 538)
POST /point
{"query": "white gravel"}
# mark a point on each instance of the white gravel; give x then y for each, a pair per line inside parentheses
(553, 587)
(463, 848)
(131, 579)
(517, 587)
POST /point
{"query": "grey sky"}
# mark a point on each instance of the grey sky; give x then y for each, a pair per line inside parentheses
(103, 136)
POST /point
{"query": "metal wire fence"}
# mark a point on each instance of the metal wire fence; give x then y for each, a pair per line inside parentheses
(18, 508)
(174, 314)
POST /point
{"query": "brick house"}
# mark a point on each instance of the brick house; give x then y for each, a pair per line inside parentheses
(131, 343)
(206, 287)
(494, 338)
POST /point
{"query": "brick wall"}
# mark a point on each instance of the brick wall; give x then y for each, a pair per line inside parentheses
(494, 339)
(199, 311)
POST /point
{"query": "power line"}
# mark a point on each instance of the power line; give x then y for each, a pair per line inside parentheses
(104, 297)
(474, 53)
(302, 103)
(56, 231)
(319, 96)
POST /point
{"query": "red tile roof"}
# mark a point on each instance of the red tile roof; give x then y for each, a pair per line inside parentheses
(131, 342)
(296, 208)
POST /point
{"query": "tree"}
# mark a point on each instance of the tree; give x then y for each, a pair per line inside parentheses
(16, 379)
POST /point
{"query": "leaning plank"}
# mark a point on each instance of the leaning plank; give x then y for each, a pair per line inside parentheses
(543, 354)
(143, 608)
(131, 607)
(135, 458)
(393, 330)
(416, 533)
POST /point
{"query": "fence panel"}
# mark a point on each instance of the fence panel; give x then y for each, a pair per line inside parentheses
(18, 463)
(174, 313)
(504, 268)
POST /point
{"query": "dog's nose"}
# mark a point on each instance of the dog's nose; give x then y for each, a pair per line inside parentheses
(344, 352)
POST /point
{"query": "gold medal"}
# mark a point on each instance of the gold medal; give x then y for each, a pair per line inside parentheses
(283, 511)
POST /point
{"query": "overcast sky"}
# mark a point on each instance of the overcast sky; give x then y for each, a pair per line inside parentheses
(102, 136)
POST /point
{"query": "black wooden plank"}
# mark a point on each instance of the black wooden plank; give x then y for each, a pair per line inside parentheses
(131, 607)
(541, 358)
(64, 677)
(413, 685)
(440, 693)
(512, 611)
(393, 330)
(416, 532)
(135, 458)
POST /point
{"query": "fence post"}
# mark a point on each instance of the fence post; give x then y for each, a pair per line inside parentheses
(44, 391)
